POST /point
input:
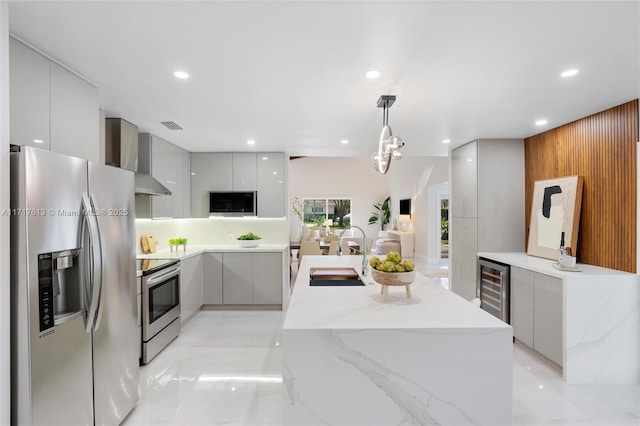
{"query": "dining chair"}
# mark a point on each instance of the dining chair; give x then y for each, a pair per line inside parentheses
(332, 238)
(333, 247)
(308, 247)
(346, 250)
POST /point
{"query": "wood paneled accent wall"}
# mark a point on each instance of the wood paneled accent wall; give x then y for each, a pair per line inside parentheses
(602, 148)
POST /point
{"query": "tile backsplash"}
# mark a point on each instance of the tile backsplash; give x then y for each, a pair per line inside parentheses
(212, 231)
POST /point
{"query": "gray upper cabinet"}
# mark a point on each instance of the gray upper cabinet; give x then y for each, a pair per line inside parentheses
(244, 172)
(172, 167)
(271, 187)
(209, 172)
(263, 172)
(29, 96)
(75, 116)
(464, 180)
(51, 104)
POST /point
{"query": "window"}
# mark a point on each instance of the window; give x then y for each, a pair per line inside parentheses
(335, 212)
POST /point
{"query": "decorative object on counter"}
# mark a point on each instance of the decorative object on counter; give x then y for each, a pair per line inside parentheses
(381, 214)
(555, 209)
(388, 145)
(392, 271)
(249, 240)
(566, 268)
(148, 244)
(177, 242)
(395, 224)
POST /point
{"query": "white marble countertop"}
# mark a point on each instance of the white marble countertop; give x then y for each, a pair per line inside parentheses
(195, 249)
(544, 266)
(362, 307)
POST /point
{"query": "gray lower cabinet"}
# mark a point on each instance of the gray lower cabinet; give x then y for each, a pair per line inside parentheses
(212, 294)
(536, 312)
(249, 279)
(267, 278)
(547, 317)
(521, 309)
(191, 286)
(237, 278)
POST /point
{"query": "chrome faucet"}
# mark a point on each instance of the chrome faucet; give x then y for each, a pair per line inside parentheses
(364, 247)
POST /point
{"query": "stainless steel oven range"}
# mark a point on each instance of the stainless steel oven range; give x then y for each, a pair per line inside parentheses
(160, 305)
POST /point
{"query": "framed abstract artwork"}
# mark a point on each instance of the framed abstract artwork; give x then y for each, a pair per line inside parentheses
(555, 209)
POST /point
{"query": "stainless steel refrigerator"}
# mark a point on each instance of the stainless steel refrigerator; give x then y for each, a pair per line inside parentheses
(74, 341)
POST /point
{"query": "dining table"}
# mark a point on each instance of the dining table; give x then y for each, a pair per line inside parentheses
(324, 245)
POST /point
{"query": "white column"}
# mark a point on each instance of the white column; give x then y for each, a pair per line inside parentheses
(5, 369)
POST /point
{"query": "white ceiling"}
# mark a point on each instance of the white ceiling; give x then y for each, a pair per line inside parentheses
(290, 75)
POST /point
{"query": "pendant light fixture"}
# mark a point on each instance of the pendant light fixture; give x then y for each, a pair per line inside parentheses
(388, 145)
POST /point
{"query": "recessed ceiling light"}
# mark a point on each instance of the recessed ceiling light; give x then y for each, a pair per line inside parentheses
(193, 173)
(344, 141)
(569, 73)
(541, 122)
(275, 173)
(373, 74)
(251, 142)
(38, 141)
(446, 141)
(265, 158)
(181, 75)
(469, 160)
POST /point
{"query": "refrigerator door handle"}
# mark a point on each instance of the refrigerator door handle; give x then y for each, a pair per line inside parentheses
(95, 268)
(100, 304)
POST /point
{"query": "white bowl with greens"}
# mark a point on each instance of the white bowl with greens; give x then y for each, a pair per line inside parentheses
(248, 240)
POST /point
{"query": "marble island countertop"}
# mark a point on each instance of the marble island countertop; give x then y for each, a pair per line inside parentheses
(353, 357)
(363, 307)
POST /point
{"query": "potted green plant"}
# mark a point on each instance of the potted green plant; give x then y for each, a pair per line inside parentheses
(249, 240)
(382, 213)
(444, 228)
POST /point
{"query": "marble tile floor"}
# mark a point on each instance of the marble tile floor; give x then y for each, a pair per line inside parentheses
(226, 368)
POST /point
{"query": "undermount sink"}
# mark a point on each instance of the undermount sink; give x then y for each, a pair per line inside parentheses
(335, 281)
(334, 276)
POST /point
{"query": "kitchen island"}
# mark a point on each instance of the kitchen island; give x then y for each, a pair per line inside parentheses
(352, 357)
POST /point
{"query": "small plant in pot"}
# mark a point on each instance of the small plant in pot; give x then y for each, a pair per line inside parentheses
(249, 240)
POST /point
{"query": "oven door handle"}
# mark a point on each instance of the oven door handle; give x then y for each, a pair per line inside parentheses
(152, 282)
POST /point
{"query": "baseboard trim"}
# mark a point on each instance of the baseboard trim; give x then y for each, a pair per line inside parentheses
(241, 307)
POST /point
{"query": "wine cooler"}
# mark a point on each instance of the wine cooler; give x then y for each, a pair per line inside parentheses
(493, 288)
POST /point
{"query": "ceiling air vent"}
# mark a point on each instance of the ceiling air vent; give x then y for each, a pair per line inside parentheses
(171, 125)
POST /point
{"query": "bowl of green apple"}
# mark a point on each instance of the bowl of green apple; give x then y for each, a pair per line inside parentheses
(248, 240)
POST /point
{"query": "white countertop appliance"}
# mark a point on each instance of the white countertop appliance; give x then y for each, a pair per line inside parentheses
(74, 357)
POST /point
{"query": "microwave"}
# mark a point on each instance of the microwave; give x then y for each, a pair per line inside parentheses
(233, 203)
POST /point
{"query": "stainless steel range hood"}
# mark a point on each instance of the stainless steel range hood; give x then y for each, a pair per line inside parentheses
(122, 151)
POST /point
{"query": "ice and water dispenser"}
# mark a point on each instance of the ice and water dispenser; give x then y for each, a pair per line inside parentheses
(59, 287)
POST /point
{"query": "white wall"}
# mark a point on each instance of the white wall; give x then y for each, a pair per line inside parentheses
(339, 177)
(5, 369)
(355, 177)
